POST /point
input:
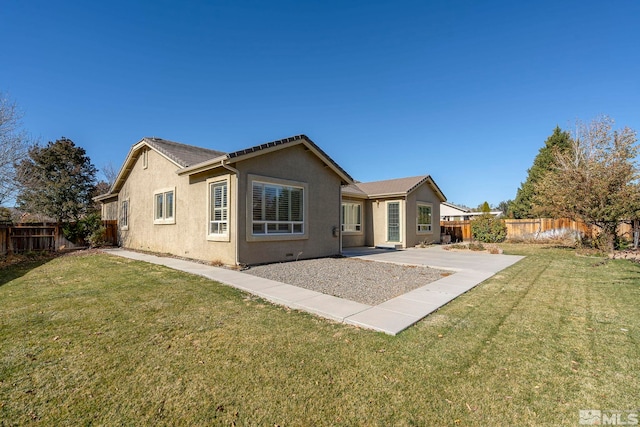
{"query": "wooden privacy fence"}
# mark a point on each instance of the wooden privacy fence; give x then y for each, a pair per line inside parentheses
(111, 236)
(528, 228)
(21, 238)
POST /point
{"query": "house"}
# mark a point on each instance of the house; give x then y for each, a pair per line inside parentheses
(451, 212)
(396, 213)
(273, 202)
(279, 201)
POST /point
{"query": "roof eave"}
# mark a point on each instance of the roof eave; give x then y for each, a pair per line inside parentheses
(269, 148)
(216, 162)
(104, 197)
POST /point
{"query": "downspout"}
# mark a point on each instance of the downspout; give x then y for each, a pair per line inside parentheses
(235, 207)
(340, 219)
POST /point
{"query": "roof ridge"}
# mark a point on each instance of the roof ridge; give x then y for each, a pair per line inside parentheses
(155, 139)
(396, 179)
(186, 156)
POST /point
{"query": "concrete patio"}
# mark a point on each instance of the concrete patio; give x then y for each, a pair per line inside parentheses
(392, 316)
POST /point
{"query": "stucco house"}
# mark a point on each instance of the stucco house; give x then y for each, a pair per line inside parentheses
(397, 213)
(272, 202)
(278, 201)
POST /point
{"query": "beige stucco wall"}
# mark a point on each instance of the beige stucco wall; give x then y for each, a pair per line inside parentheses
(322, 213)
(352, 239)
(188, 236)
(377, 229)
(110, 210)
(423, 194)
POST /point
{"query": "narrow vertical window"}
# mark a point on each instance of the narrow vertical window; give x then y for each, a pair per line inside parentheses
(168, 205)
(159, 206)
(124, 215)
(218, 208)
(393, 222)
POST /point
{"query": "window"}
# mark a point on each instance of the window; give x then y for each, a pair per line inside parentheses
(218, 208)
(424, 218)
(145, 158)
(124, 215)
(351, 217)
(277, 209)
(164, 207)
(393, 221)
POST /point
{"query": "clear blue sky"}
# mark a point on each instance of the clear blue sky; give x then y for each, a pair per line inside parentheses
(466, 91)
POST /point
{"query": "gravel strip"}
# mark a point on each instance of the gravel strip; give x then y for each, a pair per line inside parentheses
(367, 282)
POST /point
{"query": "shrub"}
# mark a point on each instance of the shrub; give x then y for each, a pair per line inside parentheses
(476, 247)
(89, 229)
(488, 229)
(97, 237)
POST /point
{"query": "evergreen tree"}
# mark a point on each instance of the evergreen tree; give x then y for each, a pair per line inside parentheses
(544, 162)
(57, 180)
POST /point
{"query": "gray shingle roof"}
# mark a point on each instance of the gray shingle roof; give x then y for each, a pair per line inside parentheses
(353, 190)
(399, 186)
(391, 186)
(183, 154)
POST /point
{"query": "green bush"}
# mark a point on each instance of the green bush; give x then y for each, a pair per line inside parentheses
(98, 237)
(85, 229)
(488, 229)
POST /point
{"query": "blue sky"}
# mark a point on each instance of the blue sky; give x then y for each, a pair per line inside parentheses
(465, 91)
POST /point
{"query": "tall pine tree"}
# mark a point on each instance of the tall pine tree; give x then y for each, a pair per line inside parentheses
(521, 207)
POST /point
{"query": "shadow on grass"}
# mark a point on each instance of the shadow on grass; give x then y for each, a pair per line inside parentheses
(18, 266)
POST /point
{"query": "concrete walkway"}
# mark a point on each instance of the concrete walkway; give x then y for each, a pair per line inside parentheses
(392, 316)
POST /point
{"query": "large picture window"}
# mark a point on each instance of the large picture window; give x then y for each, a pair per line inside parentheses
(277, 209)
(218, 208)
(351, 217)
(424, 219)
(164, 207)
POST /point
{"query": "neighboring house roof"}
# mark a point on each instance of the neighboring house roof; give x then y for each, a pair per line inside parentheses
(456, 207)
(190, 159)
(392, 187)
(448, 210)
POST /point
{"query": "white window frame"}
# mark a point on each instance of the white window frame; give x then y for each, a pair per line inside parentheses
(164, 217)
(226, 209)
(424, 228)
(352, 227)
(145, 158)
(400, 220)
(293, 235)
(124, 214)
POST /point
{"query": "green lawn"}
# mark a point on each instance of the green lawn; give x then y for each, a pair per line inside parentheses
(96, 339)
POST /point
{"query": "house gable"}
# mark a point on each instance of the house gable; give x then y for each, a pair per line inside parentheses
(266, 148)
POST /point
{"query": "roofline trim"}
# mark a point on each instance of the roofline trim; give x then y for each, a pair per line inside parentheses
(265, 148)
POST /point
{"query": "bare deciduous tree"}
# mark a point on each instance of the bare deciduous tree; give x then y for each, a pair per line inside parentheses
(14, 144)
(110, 173)
(595, 180)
